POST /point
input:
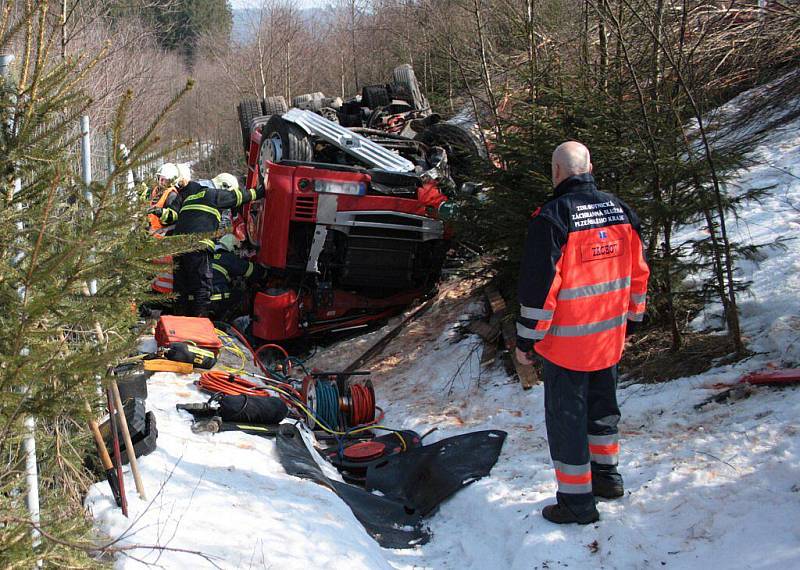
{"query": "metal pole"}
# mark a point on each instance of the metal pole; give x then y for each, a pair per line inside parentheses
(86, 156)
(86, 170)
(31, 468)
(5, 63)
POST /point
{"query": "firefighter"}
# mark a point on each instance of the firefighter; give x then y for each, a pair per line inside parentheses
(583, 277)
(161, 218)
(228, 269)
(198, 212)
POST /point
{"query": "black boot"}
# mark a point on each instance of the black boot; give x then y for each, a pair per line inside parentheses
(560, 513)
(606, 481)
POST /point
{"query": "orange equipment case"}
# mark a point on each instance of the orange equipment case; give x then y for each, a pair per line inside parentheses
(194, 330)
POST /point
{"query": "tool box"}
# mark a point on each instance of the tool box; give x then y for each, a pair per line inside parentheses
(198, 331)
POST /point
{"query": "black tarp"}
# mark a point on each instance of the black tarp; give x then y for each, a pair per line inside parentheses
(387, 521)
(424, 477)
(413, 483)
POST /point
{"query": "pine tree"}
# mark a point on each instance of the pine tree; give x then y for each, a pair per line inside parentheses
(58, 336)
(179, 24)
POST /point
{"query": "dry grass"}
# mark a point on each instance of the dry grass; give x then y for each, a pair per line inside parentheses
(648, 358)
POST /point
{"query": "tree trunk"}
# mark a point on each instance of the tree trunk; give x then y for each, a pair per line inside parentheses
(603, 47)
(531, 48)
(486, 76)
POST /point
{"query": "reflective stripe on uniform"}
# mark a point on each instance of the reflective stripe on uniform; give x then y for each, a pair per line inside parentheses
(201, 208)
(195, 196)
(587, 329)
(239, 197)
(573, 479)
(592, 290)
(163, 283)
(221, 270)
(208, 243)
(220, 296)
(530, 334)
(635, 317)
(249, 271)
(536, 314)
(253, 193)
(604, 449)
(637, 298)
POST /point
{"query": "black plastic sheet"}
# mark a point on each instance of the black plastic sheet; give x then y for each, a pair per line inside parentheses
(386, 521)
(413, 483)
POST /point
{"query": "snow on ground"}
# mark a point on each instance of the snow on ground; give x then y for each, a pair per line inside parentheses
(716, 487)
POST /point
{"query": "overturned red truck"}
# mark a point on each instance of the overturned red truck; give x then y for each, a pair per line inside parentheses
(351, 226)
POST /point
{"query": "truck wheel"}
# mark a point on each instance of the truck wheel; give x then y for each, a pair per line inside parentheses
(375, 96)
(248, 110)
(330, 114)
(309, 101)
(463, 148)
(274, 105)
(282, 140)
(404, 77)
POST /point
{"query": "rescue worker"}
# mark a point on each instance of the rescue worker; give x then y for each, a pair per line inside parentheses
(162, 197)
(583, 276)
(227, 268)
(199, 213)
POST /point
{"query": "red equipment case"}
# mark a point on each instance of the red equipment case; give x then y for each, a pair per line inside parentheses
(195, 330)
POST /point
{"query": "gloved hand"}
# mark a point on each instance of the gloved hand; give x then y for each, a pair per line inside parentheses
(524, 358)
(155, 211)
(634, 327)
(143, 191)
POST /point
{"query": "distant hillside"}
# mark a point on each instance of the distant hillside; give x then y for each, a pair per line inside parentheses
(244, 20)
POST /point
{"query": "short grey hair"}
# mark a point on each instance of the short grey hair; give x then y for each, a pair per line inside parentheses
(573, 157)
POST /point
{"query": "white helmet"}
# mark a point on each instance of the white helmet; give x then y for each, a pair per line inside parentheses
(169, 173)
(184, 174)
(228, 242)
(225, 181)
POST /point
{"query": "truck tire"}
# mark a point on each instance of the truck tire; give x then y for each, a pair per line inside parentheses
(375, 96)
(282, 140)
(248, 110)
(404, 77)
(309, 101)
(464, 150)
(274, 105)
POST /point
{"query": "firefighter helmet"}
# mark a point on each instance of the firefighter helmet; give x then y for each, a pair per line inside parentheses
(184, 174)
(225, 181)
(167, 175)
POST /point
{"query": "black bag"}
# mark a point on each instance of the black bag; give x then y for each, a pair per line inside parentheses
(194, 355)
(264, 410)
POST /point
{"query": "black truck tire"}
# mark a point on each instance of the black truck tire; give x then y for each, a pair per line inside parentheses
(464, 150)
(274, 105)
(404, 77)
(375, 96)
(282, 140)
(248, 110)
(309, 101)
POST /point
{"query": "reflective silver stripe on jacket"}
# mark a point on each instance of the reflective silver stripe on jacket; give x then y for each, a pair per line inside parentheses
(637, 298)
(587, 329)
(596, 289)
(530, 334)
(536, 314)
(635, 317)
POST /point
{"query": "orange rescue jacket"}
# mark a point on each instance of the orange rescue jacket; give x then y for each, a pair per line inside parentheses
(583, 276)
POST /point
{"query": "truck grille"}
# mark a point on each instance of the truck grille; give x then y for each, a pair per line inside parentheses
(305, 207)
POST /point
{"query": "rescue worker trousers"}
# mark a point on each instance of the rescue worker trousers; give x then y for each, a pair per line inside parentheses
(193, 282)
(581, 416)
